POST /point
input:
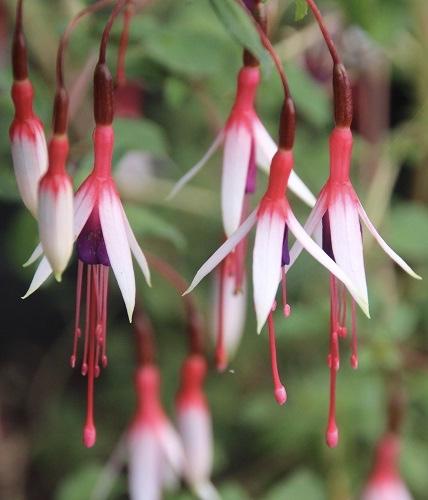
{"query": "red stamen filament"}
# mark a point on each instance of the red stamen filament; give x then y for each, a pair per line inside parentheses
(342, 312)
(220, 352)
(354, 343)
(286, 306)
(279, 389)
(95, 335)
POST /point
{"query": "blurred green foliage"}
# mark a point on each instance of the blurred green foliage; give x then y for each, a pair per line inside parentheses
(187, 63)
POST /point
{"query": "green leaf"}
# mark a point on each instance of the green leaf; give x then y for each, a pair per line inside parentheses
(303, 484)
(80, 484)
(301, 10)
(143, 135)
(239, 24)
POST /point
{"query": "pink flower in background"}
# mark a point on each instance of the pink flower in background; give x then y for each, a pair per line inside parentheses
(246, 143)
(156, 456)
(28, 144)
(229, 310)
(385, 482)
(195, 427)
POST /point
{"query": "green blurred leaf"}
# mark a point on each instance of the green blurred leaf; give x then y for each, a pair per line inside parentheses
(139, 134)
(237, 21)
(146, 223)
(80, 484)
(302, 484)
(301, 10)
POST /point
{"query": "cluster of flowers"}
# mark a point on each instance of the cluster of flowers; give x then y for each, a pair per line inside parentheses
(94, 219)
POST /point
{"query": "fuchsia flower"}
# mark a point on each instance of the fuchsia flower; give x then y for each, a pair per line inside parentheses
(274, 219)
(156, 456)
(27, 136)
(104, 239)
(385, 482)
(195, 427)
(55, 213)
(246, 143)
(28, 143)
(230, 305)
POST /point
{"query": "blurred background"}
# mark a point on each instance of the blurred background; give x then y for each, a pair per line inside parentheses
(182, 66)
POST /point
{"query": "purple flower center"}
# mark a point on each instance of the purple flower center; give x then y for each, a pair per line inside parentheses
(326, 236)
(250, 186)
(91, 247)
(285, 257)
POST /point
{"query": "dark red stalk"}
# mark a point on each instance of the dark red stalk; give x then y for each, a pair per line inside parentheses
(144, 336)
(19, 48)
(194, 321)
(123, 44)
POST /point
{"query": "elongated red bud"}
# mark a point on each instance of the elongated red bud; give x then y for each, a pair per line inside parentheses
(342, 96)
(103, 95)
(287, 125)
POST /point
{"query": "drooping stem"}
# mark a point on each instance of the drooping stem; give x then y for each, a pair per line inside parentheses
(194, 321)
(19, 48)
(120, 4)
(325, 33)
(123, 44)
(144, 337)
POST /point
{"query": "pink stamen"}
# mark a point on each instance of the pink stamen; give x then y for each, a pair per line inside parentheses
(87, 321)
(354, 342)
(286, 306)
(77, 330)
(342, 311)
(104, 359)
(220, 352)
(332, 434)
(279, 389)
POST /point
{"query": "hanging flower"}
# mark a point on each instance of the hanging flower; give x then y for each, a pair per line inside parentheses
(229, 309)
(156, 456)
(246, 142)
(195, 427)
(26, 133)
(385, 482)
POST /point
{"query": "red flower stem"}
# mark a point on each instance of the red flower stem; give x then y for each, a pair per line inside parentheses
(120, 4)
(144, 337)
(325, 33)
(123, 44)
(180, 284)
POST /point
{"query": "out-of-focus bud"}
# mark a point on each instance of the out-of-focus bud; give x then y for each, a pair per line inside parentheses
(385, 482)
(195, 427)
(55, 212)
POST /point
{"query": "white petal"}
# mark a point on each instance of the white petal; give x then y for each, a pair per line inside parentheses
(171, 447)
(311, 247)
(237, 152)
(265, 150)
(300, 189)
(136, 250)
(30, 162)
(385, 247)
(313, 222)
(42, 273)
(195, 169)
(55, 217)
(144, 474)
(267, 263)
(84, 202)
(195, 428)
(37, 252)
(119, 253)
(234, 312)
(386, 489)
(206, 491)
(346, 240)
(224, 250)
(265, 145)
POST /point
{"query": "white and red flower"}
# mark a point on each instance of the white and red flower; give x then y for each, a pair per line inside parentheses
(28, 144)
(246, 143)
(385, 482)
(274, 218)
(195, 427)
(229, 309)
(156, 456)
(55, 208)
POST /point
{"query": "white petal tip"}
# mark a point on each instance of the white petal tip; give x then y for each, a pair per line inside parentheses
(130, 312)
(416, 276)
(58, 276)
